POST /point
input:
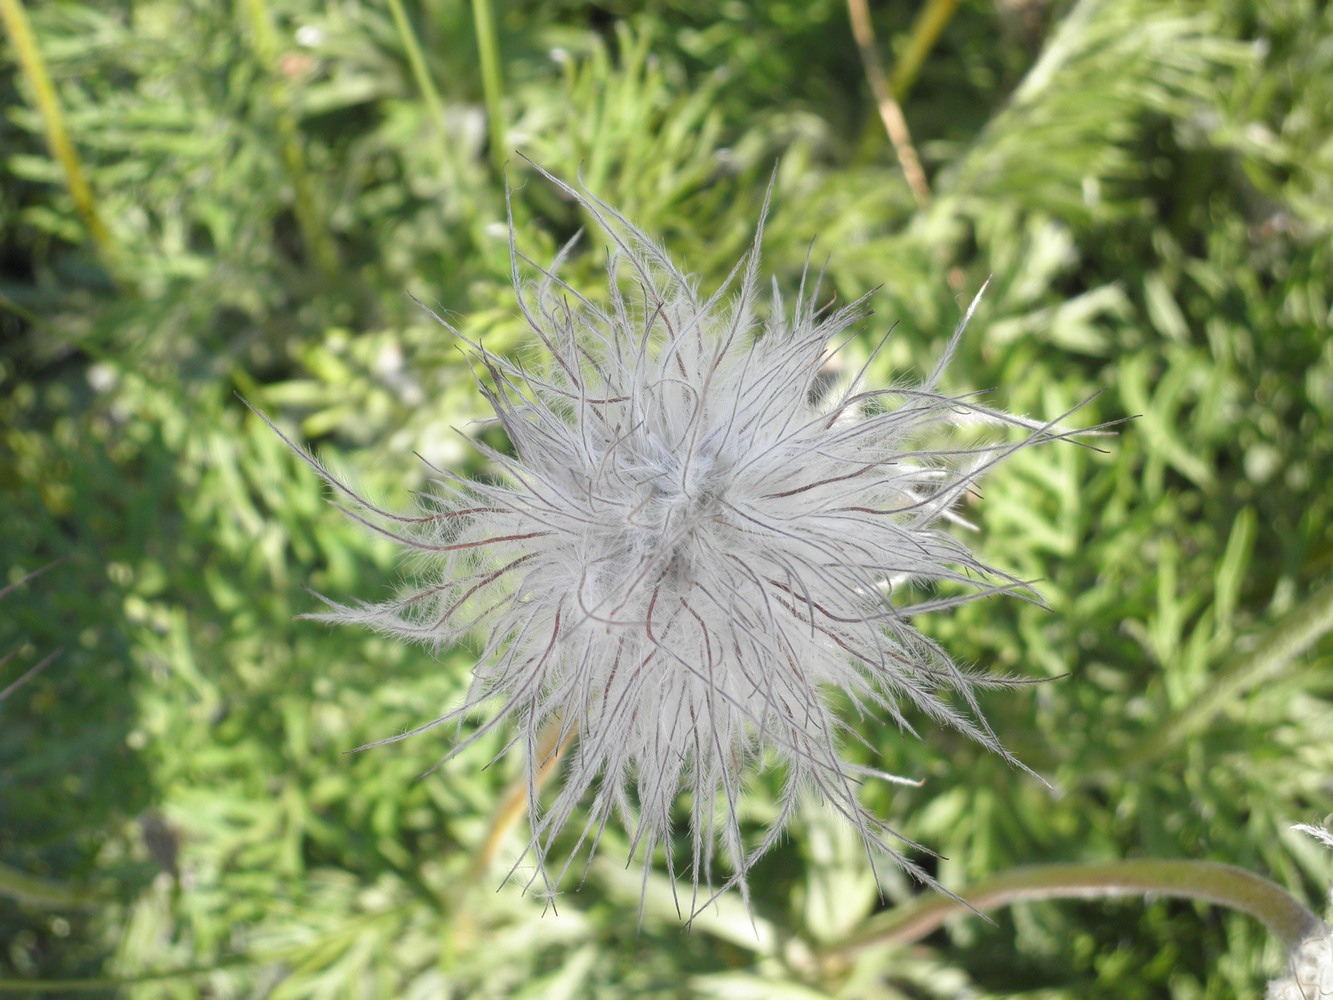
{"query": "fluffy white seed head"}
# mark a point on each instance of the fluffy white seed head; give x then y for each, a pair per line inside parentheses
(695, 541)
(1310, 966)
(1310, 970)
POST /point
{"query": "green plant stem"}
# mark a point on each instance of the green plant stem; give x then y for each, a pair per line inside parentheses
(1206, 881)
(1296, 632)
(492, 86)
(57, 138)
(415, 59)
(43, 894)
(105, 984)
(318, 240)
(925, 32)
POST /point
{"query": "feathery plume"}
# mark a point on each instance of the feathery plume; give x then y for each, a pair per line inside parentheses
(1310, 965)
(694, 542)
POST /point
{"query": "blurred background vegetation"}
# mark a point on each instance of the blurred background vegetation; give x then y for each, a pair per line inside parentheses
(249, 196)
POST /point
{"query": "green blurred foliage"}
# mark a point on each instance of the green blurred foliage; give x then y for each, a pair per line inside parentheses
(1148, 186)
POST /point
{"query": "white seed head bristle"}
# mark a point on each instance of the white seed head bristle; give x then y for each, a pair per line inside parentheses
(698, 536)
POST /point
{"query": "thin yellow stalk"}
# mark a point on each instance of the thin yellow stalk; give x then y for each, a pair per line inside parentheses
(889, 111)
(515, 801)
(551, 749)
(53, 119)
(925, 32)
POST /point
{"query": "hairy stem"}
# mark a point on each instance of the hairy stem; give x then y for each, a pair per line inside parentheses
(1206, 881)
